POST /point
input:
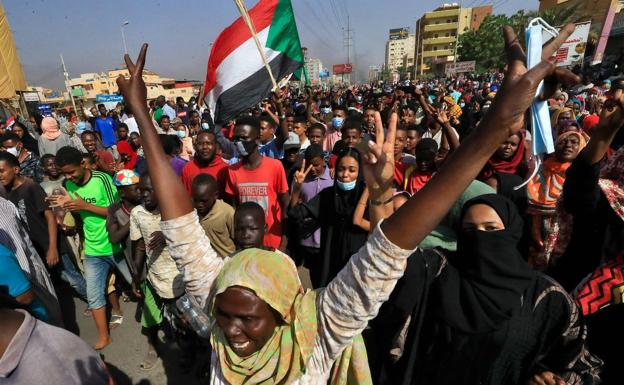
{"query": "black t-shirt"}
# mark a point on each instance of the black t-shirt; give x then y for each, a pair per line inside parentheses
(29, 198)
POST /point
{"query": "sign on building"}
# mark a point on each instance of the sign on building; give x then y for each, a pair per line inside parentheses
(339, 69)
(106, 98)
(398, 33)
(31, 96)
(324, 73)
(460, 66)
(572, 51)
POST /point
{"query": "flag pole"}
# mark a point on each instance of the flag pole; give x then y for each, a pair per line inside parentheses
(252, 29)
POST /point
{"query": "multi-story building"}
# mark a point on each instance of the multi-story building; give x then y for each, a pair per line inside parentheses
(437, 33)
(89, 85)
(314, 68)
(399, 49)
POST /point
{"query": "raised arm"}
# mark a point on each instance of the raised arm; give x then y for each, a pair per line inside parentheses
(173, 197)
(186, 239)
(356, 294)
(611, 119)
(504, 119)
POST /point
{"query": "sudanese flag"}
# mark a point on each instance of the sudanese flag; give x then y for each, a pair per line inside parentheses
(236, 78)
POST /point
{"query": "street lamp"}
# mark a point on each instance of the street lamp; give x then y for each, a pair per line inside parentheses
(123, 36)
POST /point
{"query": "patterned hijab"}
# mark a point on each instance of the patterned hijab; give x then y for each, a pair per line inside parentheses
(273, 278)
(611, 182)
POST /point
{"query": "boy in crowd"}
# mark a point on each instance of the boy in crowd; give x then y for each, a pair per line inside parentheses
(414, 134)
(316, 134)
(52, 178)
(270, 145)
(105, 127)
(163, 283)
(258, 179)
(308, 182)
(104, 160)
(90, 193)
(352, 131)
(250, 227)
(334, 132)
(215, 216)
(118, 216)
(300, 128)
(207, 160)
(28, 161)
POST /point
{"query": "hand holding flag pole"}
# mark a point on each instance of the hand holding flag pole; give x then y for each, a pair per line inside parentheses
(252, 29)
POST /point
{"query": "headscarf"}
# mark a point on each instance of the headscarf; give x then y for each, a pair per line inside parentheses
(273, 278)
(50, 128)
(487, 276)
(445, 234)
(497, 165)
(346, 201)
(546, 186)
(124, 148)
(555, 116)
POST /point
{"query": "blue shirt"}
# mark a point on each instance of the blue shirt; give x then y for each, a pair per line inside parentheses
(170, 112)
(12, 276)
(106, 128)
(270, 150)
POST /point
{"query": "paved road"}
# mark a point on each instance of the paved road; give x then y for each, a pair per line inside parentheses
(125, 354)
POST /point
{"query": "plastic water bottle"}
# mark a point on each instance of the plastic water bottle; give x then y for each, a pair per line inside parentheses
(194, 315)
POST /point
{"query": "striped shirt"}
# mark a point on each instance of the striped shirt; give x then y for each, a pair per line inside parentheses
(14, 237)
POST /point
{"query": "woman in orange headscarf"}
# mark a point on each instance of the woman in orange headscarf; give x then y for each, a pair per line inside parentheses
(545, 187)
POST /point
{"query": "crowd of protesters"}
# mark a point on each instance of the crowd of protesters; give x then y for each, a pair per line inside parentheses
(377, 233)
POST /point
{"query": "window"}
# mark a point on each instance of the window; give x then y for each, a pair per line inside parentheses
(435, 36)
(435, 48)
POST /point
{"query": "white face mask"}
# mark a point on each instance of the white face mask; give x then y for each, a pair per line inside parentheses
(13, 150)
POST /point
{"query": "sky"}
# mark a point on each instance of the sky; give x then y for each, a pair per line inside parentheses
(88, 32)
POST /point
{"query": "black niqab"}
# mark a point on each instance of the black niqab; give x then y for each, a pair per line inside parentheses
(487, 277)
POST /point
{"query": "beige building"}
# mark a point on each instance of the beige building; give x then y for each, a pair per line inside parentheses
(400, 49)
(88, 85)
(437, 33)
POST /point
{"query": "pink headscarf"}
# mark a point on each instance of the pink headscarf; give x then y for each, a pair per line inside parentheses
(50, 128)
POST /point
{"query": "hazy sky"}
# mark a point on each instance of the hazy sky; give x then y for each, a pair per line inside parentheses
(87, 32)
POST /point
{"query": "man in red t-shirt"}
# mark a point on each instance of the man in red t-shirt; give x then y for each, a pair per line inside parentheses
(256, 178)
(205, 161)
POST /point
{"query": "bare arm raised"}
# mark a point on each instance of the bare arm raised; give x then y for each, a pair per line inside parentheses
(173, 198)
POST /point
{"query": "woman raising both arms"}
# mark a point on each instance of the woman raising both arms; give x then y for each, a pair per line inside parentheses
(268, 330)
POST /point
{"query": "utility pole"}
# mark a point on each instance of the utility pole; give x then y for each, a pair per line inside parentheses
(66, 75)
(348, 42)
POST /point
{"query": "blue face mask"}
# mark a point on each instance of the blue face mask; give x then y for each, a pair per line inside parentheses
(205, 126)
(337, 122)
(326, 110)
(346, 186)
(181, 134)
(462, 105)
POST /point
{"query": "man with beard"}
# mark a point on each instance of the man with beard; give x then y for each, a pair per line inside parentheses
(205, 161)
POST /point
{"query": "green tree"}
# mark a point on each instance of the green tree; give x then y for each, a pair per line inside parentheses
(485, 45)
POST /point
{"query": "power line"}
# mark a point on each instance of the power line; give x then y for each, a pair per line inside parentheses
(336, 14)
(320, 21)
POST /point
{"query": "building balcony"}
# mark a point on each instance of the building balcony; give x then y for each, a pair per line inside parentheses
(440, 52)
(439, 40)
(445, 13)
(441, 27)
